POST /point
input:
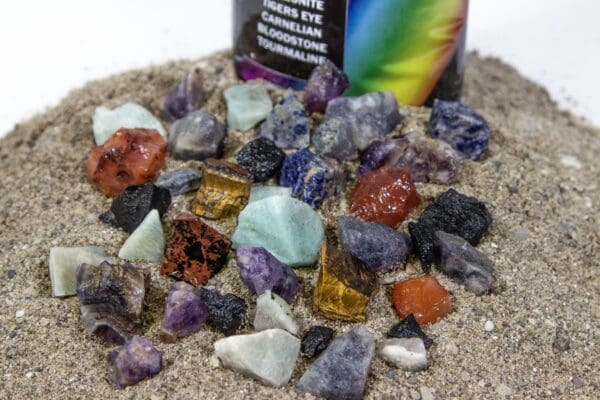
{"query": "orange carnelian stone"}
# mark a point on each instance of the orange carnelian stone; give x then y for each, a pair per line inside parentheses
(386, 195)
(129, 157)
(423, 297)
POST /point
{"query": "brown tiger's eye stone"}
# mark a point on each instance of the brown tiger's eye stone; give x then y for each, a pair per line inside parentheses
(224, 190)
(129, 157)
(423, 297)
(196, 252)
(344, 287)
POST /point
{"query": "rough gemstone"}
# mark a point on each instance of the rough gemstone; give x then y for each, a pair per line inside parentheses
(408, 354)
(316, 340)
(135, 361)
(128, 116)
(261, 158)
(287, 124)
(268, 356)
(274, 312)
(333, 138)
(147, 242)
(185, 312)
(375, 155)
(111, 299)
(261, 271)
(180, 182)
(409, 328)
(386, 195)
(196, 252)
(326, 82)
(186, 96)
(224, 190)
(63, 263)
(294, 167)
(197, 136)
(423, 297)
(227, 312)
(341, 371)
(247, 105)
(262, 192)
(371, 116)
(344, 287)
(464, 263)
(129, 157)
(380, 247)
(460, 126)
(453, 213)
(287, 228)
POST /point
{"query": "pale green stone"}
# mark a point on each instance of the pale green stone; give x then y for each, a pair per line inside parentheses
(147, 242)
(129, 115)
(63, 263)
(286, 227)
(247, 105)
(274, 312)
(262, 192)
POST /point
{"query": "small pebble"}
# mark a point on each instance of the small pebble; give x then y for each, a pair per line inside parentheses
(29, 375)
(489, 326)
(503, 390)
(20, 313)
(426, 393)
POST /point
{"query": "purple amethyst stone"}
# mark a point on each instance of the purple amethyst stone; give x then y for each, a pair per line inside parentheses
(326, 82)
(375, 156)
(136, 360)
(185, 312)
(287, 124)
(187, 96)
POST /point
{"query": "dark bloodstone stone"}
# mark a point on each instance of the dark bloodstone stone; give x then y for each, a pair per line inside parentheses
(315, 340)
(185, 97)
(287, 124)
(137, 360)
(198, 136)
(261, 157)
(181, 181)
(326, 82)
(185, 312)
(333, 138)
(227, 312)
(409, 328)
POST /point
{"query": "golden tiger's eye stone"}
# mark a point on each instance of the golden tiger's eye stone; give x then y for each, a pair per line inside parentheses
(224, 190)
(344, 287)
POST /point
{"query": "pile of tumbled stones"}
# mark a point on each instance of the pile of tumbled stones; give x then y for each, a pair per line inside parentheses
(278, 228)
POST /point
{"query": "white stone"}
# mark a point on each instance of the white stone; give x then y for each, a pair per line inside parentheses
(408, 354)
(147, 242)
(570, 161)
(268, 356)
(20, 313)
(63, 263)
(129, 115)
(274, 312)
(426, 393)
(504, 390)
(489, 326)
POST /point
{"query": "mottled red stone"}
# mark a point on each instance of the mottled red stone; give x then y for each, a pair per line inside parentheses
(386, 195)
(196, 252)
(129, 157)
(423, 297)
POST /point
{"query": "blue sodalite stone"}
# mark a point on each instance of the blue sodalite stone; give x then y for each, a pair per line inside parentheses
(287, 124)
(460, 126)
(294, 166)
(333, 138)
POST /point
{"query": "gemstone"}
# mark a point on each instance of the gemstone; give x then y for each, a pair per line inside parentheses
(375, 155)
(128, 116)
(274, 312)
(186, 96)
(371, 116)
(378, 246)
(423, 297)
(464, 263)
(129, 157)
(185, 312)
(63, 263)
(111, 300)
(341, 371)
(386, 195)
(147, 242)
(287, 228)
(197, 136)
(316, 340)
(287, 124)
(180, 181)
(247, 105)
(227, 312)
(261, 271)
(460, 126)
(294, 167)
(262, 192)
(196, 252)
(344, 287)
(261, 158)
(409, 328)
(224, 190)
(326, 82)
(133, 362)
(129, 209)
(408, 354)
(333, 138)
(453, 213)
(268, 356)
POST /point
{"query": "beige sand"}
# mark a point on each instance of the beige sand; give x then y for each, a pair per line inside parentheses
(539, 179)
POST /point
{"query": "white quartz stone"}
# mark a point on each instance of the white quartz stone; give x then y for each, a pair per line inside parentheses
(63, 262)
(129, 115)
(274, 312)
(147, 242)
(408, 354)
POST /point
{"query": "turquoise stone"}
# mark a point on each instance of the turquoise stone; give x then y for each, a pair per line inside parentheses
(262, 192)
(147, 242)
(63, 263)
(247, 105)
(129, 115)
(287, 228)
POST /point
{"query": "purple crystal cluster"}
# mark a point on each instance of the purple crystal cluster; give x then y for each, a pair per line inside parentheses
(326, 82)
(185, 97)
(136, 360)
(185, 312)
(287, 124)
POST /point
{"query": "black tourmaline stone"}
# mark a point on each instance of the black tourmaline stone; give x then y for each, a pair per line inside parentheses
(261, 157)
(315, 340)
(130, 208)
(227, 312)
(409, 328)
(452, 213)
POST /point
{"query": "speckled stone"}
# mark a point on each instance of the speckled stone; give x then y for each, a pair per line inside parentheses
(261, 157)
(227, 312)
(326, 82)
(333, 138)
(128, 116)
(287, 125)
(247, 105)
(197, 136)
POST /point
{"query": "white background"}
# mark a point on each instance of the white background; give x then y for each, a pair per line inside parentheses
(51, 46)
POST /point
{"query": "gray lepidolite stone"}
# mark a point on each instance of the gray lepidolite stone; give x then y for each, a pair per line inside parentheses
(333, 138)
(341, 371)
(197, 136)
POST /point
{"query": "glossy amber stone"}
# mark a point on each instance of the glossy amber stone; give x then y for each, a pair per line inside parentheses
(344, 287)
(386, 195)
(423, 297)
(224, 190)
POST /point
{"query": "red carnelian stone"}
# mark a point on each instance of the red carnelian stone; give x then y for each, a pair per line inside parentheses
(386, 195)
(129, 157)
(423, 297)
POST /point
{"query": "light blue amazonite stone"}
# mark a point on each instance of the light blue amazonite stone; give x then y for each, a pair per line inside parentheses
(288, 228)
(247, 105)
(147, 242)
(260, 192)
(129, 116)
